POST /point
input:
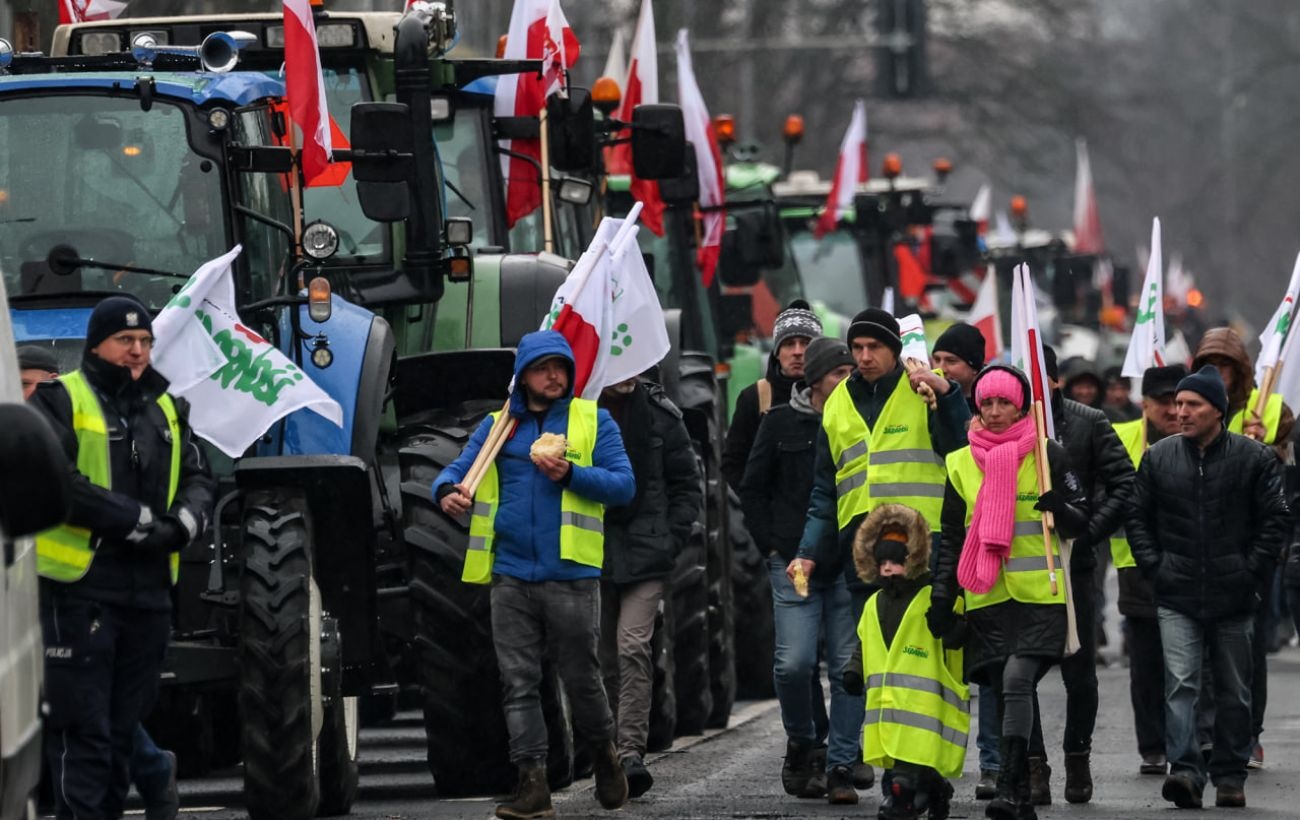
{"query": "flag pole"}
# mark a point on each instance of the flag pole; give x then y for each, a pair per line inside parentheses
(295, 187)
(548, 228)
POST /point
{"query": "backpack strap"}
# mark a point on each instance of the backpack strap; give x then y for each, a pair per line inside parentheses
(764, 396)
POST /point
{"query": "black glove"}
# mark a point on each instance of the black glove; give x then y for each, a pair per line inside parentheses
(167, 535)
(854, 683)
(940, 618)
(1050, 501)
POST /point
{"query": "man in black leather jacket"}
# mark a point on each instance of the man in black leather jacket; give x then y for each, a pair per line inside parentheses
(1206, 524)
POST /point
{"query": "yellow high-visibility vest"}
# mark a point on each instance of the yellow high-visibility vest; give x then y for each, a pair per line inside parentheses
(918, 709)
(1130, 435)
(1024, 575)
(582, 521)
(893, 464)
(1272, 416)
(65, 552)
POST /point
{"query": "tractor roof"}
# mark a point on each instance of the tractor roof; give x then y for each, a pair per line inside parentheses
(199, 88)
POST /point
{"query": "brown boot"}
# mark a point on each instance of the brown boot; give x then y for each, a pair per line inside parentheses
(1040, 782)
(1078, 777)
(532, 795)
(611, 780)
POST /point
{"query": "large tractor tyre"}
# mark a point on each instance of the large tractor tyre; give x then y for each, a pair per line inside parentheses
(752, 599)
(468, 744)
(338, 745)
(722, 636)
(378, 708)
(663, 694)
(279, 655)
(690, 637)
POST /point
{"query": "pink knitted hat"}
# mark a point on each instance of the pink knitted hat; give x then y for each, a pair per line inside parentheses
(1002, 384)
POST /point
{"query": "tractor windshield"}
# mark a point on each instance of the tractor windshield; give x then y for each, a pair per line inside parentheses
(832, 270)
(100, 179)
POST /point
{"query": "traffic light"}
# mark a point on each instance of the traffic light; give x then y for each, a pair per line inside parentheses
(900, 52)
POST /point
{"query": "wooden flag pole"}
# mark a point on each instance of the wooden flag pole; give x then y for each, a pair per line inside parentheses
(548, 227)
(925, 391)
(1044, 472)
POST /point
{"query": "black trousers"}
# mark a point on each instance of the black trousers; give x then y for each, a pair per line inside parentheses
(102, 665)
(1146, 679)
(1079, 673)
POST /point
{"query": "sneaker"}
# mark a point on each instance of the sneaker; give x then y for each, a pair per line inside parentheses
(1256, 757)
(839, 786)
(1230, 796)
(639, 779)
(987, 785)
(1181, 791)
(1154, 764)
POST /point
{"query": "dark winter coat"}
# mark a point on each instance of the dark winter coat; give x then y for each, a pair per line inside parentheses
(1136, 598)
(743, 428)
(1206, 528)
(642, 538)
(139, 452)
(1011, 627)
(1099, 459)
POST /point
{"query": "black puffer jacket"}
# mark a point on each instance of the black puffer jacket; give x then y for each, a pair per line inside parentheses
(642, 539)
(140, 463)
(1206, 528)
(1098, 458)
(743, 428)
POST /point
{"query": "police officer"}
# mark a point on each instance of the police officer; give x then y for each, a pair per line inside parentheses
(142, 491)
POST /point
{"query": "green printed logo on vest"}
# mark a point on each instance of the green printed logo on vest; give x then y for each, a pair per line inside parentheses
(573, 455)
(918, 651)
(895, 429)
(1027, 497)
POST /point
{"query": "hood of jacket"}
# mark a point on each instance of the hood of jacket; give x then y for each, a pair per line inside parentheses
(892, 515)
(533, 347)
(1224, 341)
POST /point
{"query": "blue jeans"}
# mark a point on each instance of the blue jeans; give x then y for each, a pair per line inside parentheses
(1229, 641)
(800, 624)
(990, 730)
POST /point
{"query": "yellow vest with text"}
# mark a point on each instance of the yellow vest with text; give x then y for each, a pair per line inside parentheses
(1130, 435)
(582, 521)
(1272, 416)
(1024, 574)
(918, 709)
(65, 553)
(893, 464)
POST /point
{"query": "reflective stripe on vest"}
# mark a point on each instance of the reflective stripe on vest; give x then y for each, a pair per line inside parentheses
(1272, 416)
(1130, 435)
(1024, 572)
(65, 553)
(918, 709)
(894, 463)
(582, 521)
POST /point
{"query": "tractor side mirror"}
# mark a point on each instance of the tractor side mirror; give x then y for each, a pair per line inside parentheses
(685, 189)
(658, 141)
(735, 268)
(572, 126)
(34, 485)
(735, 314)
(382, 160)
(759, 240)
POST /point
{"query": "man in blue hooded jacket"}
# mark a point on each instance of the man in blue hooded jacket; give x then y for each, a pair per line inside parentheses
(537, 534)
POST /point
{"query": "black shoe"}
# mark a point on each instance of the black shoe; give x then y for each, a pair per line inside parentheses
(1230, 796)
(1011, 802)
(864, 777)
(638, 776)
(899, 802)
(815, 788)
(167, 805)
(797, 767)
(1154, 764)
(532, 796)
(987, 785)
(611, 783)
(1040, 782)
(941, 793)
(1181, 791)
(839, 786)
(1078, 777)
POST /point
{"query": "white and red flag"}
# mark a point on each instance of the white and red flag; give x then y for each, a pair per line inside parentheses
(708, 160)
(1027, 342)
(523, 95)
(981, 209)
(1146, 347)
(641, 87)
(616, 61)
(304, 85)
(985, 315)
(84, 11)
(850, 171)
(1087, 224)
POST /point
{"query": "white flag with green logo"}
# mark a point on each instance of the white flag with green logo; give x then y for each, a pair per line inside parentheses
(911, 329)
(237, 383)
(1146, 348)
(1276, 331)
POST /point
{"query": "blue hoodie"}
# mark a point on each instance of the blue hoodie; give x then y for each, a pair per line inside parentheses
(528, 520)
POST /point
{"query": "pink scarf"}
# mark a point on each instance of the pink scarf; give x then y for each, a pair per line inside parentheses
(992, 526)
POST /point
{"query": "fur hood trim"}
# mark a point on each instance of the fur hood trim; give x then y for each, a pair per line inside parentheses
(918, 541)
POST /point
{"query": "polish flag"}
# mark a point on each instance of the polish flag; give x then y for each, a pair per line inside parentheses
(524, 95)
(1027, 342)
(850, 171)
(304, 85)
(641, 88)
(85, 11)
(985, 316)
(981, 209)
(1087, 224)
(708, 159)
(555, 59)
(616, 62)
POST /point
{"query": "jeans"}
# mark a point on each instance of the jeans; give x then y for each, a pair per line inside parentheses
(990, 730)
(1146, 673)
(1229, 642)
(559, 620)
(627, 626)
(800, 623)
(1079, 673)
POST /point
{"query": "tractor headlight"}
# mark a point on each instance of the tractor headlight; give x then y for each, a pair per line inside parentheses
(320, 240)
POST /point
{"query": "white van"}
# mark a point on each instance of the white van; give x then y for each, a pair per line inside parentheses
(33, 497)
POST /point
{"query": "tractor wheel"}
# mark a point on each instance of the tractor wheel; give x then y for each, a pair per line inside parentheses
(338, 757)
(279, 659)
(689, 602)
(752, 598)
(468, 745)
(722, 637)
(663, 695)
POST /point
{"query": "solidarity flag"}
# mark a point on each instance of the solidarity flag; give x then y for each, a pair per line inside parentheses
(1146, 348)
(524, 95)
(1275, 334)
(708, 159)
(1027, 341)
(304, 86)
(911, 329)
(985, 316)
(850, 171)
(641, 87)
(84, 11)
(238, 384)
(608, 310)
(1087, 224)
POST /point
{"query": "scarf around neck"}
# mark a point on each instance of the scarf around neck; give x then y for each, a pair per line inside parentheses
(992, 526)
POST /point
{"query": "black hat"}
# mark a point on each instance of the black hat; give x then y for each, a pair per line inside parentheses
(1162, 381)
(796, 320)
(876, 324)
(1114, 374)
(823, 355)
(116, 313)
(35, 357)
(1209, 384)
(963, 341)
(1049, 361)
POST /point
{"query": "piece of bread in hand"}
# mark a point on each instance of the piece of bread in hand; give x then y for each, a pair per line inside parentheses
(548, 445)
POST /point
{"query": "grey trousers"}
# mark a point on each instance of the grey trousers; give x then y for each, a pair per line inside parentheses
(627, 627)
(559, 620)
